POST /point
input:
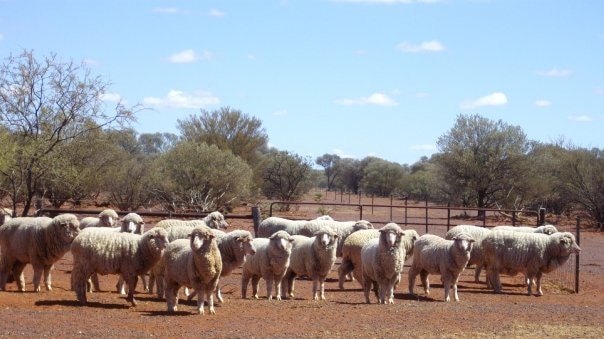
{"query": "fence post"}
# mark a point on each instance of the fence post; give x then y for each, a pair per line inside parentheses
(578, 239)
(426, 215)
(390, 207)
(448, 216)
(513, 218)
(406, 211)
(256, 217)
(541, 220)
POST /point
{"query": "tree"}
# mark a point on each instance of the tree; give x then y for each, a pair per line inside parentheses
(286, 176)
(44, 104)
(228, 130)
(481, 160)
(157, 143)
(201, 177)
(329, 162)
(350, 175)
(381, 177)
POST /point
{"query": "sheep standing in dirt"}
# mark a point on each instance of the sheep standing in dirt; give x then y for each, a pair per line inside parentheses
(477, 255)
(533, 254)
(351, 252)
(213, 220)
(106, 218)
(435, 255)
(270, 262)
(382, 261)
(313, 257)
(194, 263)
(39, 241)
(6, 214)
(271, 225)
(130, 255)
(544, 229)
(342, 228)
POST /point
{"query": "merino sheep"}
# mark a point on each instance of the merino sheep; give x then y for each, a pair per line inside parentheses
(477, 255)
(351, 252)
(382, 261)
(545, 229)
(270, 262)
(342, 228)
(129, 255)
(533, 254)
(6, 214)
(39, 241)
(213, 220)
(271, 225)
(106, 218)
(313, 257)
(436, 255)
(194, 263)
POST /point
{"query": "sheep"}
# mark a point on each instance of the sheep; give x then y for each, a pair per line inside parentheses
(195, 263)
(436, 255)
(313, 257)
(271, 225)
(106, 218)
(213, 220)
(545, 229)
(342, 228)
(39, 241)
(533, 254)
(382, 261)
(233, 246)
(270, 262)
(476, 256)
(130, 255)
(351, 252)
(6, 214)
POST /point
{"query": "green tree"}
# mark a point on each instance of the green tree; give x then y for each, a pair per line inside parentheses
(329, 162)
(481, 160)
(350, 174)
(44, 104)
(201, 177)
(286, 176)
(381, 177)
(229, 130)
(157, 143)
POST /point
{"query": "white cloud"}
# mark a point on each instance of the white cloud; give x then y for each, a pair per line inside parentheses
(493, 99)
(426, 46)
(580, 118)
(543, 103)
(188, 56)
(180, 99)
(111, 97)
(423, 147)
(555, 73)
(342, 154)
(216, 13)
(378, 99)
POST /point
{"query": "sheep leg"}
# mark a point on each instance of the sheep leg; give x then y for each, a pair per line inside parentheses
(455, 281)
(245, 279)
(423, 275)
(200, 302)
(95, 282)
(343, 271)
(367, 283)
(145, 282)
(210, 299)
(219, 294)
(120, 286)
(47, 278)
(192, 295)
(390, 291)
(256, 284)
(131, 281)
(411, 276)
(538, 282)
(151, 282)
(477, 271)
(171, 296)
(79, 278)
(17, 272)
(278, 283)
(322, 288)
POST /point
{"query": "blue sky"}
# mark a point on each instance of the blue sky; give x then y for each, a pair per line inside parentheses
(384, 78)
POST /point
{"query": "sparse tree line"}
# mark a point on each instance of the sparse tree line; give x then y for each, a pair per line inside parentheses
(60, 142)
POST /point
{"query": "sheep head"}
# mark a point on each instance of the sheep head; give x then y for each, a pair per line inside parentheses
(200, 238)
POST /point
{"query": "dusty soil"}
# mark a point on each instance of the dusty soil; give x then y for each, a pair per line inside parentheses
(559, 313)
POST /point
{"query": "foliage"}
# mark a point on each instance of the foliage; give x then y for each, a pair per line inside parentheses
(329, 164)
(350, 175)
(381, 177)
(286, 176)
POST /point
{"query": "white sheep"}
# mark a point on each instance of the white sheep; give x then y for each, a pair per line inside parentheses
(382, 261)
(106, 218)
(313, 257)
(194, 263)
(130, 255)
(212, 220)
(532, 254)
(477, 255)
(39, 241)
(270, 262)
(271, 225)
(234, 246)
(351, 252)
(6, 214)
(435, 255)
(545, 229)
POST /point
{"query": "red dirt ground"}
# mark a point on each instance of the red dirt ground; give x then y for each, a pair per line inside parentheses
(480, 313)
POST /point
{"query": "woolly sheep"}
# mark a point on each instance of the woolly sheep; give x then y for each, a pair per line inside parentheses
(435, 255)
(342, 228)
(313, 257)
(6, 214)
(130, 255)
(106, 218)
(351, 252)
(270, 262)
(39, 241)
(194, 263)
(533, 254)
(545, 229)
(476, 256)
(234, 247)
(382, 261)
(213, 220)
(271, 225)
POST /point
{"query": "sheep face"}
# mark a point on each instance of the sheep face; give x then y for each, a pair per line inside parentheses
(568, 245)
(68, 226)
(548, 229)
(326, 239)
(200, 238)
(464, 242)
(246, 245)
(216, 220)
(391, 237)
(158, 238)
(281, 240)
(362, 225)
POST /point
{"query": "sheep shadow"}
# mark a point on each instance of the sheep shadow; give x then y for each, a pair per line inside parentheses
(75, 303)
(166, 313)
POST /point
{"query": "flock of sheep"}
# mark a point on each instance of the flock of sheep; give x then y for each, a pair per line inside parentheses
(195, 254)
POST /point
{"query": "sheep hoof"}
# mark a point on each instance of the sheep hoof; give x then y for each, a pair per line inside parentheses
(278, 297)
(200, 311)
(255, 296)
(212, 311)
